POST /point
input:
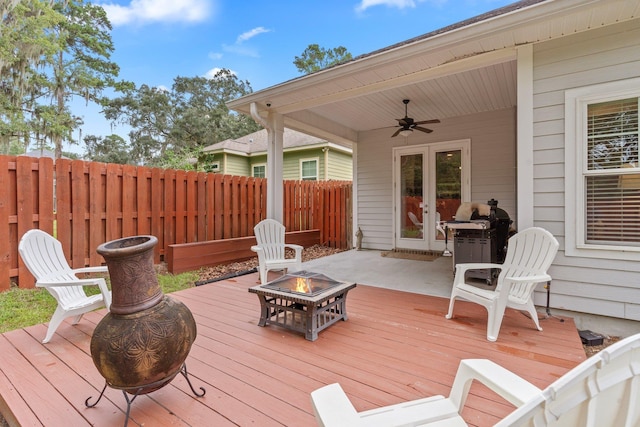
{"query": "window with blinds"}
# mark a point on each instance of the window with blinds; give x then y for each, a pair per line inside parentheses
(612, 174)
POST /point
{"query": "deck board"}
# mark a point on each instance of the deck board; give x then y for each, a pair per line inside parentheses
(395, 346)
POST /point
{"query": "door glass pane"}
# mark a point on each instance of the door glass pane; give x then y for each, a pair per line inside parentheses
(448, 185)
(411, 193)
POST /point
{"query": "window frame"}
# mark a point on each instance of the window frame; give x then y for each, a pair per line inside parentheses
(310, 159)
(576, 168)
(258, 165)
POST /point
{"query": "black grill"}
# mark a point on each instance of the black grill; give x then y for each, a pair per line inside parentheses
(488, 244)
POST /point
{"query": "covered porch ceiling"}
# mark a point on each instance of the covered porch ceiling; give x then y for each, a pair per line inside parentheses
(467, 68)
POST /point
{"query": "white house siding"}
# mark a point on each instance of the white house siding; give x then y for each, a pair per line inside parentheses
(598, 286)
(493, 170)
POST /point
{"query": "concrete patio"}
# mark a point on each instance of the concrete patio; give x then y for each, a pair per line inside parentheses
(368, 266)
(435, 278)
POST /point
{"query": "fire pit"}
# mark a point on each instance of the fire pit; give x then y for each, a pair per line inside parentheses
(303, 301)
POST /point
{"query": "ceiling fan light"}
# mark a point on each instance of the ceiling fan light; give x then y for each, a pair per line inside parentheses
(405, 132)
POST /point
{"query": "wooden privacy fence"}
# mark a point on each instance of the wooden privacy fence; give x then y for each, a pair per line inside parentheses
(85, 204)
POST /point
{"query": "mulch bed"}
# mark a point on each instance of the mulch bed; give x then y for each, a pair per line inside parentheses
(210, 274)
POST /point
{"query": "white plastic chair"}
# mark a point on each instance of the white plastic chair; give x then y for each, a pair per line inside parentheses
(414, 220)
(271, 249)
(420, 225)
(439, 226)
(529, 255)
(44, 257)
(602, 391)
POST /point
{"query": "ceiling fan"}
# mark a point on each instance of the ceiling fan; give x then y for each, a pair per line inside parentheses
(407, 125)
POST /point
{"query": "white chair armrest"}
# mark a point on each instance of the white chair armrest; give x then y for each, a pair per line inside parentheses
(536, 279)
(43, 283)
(476, 265)
(256, 248)
(297, 248)
(501, 381)
(95, 269)
(332, 407)
(461, 269)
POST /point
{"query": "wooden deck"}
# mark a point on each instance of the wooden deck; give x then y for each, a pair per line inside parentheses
(396, 346)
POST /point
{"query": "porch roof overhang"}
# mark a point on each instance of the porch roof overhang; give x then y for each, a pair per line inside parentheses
(463, 69)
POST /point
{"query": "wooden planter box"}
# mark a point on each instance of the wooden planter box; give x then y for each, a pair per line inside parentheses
(192, 256)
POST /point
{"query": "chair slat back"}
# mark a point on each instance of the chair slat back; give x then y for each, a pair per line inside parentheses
(42, 254)
(604, 390)
(270, 236)
(44, 258)
(529, 252)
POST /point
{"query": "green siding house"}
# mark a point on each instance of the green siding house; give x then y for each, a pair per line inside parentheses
(305, 157)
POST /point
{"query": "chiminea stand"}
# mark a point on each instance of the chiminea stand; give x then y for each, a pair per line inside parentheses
(183, 371)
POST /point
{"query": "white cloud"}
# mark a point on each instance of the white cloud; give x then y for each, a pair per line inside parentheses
(215, 55)
(400, 4)
(250, 34)
(149, 11)
(239, 48)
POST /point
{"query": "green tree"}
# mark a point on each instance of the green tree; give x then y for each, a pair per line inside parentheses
(174, 124)
(51, 51)
(110, 149)
(315, 58)
(26, 43)
(82, 67)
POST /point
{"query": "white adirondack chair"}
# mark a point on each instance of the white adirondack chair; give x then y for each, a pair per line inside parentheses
(271, 249)
(529, 255)
(44, 257)
(415, 221)
(602, 391)
(420, 225)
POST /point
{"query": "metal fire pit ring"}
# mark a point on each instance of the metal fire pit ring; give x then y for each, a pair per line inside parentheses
(308, 314)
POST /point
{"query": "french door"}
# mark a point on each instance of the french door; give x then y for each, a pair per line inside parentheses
(430, 181)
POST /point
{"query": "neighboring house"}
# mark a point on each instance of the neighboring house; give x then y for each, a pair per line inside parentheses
(538, 108)
(43, 153)
(305, 157)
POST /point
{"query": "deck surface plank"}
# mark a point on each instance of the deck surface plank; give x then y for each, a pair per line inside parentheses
(395, 346)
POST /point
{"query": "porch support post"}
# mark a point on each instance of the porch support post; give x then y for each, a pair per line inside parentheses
(274, 124)
(524, 139)
(275, 136)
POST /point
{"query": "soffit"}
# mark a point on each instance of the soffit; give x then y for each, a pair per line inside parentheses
(449, 73)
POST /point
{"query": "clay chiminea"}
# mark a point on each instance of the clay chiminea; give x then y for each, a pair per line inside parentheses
(142, 343)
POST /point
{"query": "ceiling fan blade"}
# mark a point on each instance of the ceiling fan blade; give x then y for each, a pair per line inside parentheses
(396, 133)
(427, 122)
(425, 130)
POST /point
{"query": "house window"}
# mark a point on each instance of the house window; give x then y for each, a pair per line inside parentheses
(607, 187)
(259, 171)
(309, 169)
(612, 175)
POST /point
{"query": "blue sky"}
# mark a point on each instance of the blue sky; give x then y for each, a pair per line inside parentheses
(158, 40)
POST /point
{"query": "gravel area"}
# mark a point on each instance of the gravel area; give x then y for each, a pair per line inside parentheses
(590, 350)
